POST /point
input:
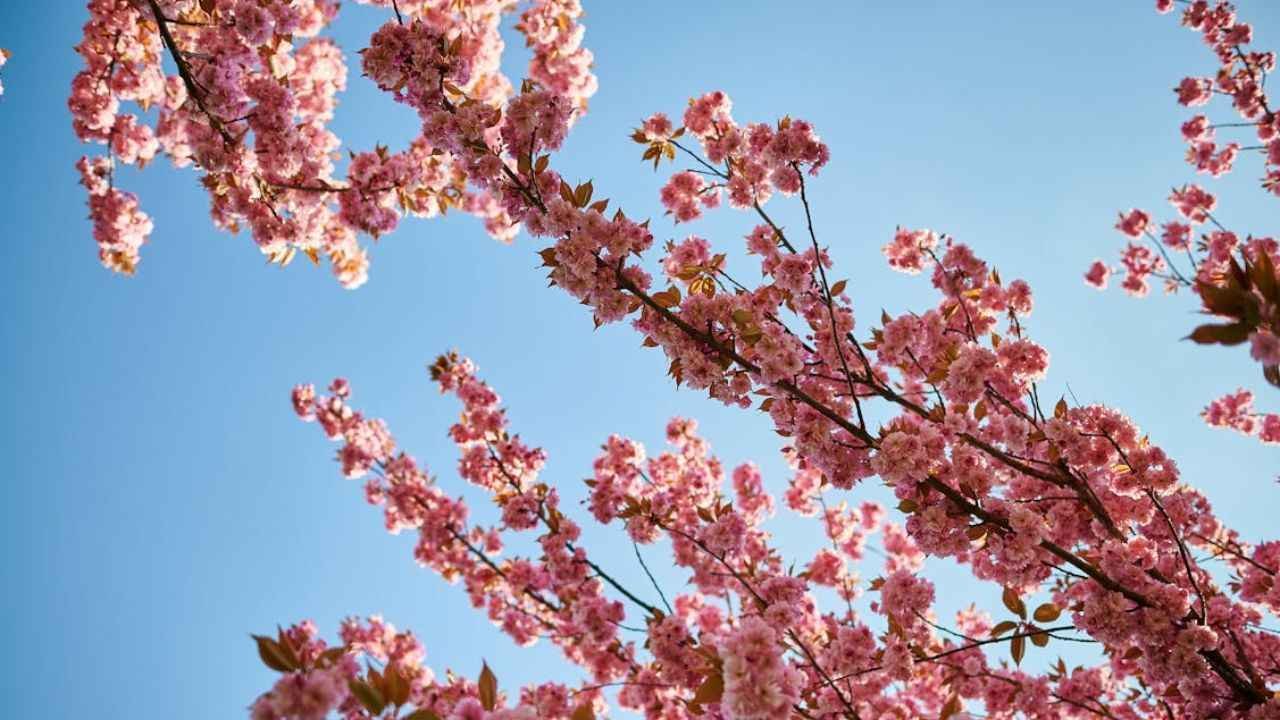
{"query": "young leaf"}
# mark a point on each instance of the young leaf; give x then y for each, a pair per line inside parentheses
(1263, 273)
(1018, 648)
(397, 686)
(1229, 334)
(1002, 627)
(1041, 638)
(1014, 603)
(488, 686)
(582, 195)
(710, 691)
(1047, 613)
(273, 656)
(369, 697)
(952, 707)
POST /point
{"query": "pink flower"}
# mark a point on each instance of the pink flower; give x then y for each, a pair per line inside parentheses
(1133, 223)
(758, 683)
(657, 127)
(253, 22)
(1098, 274)
(908, 252)
(1264, 347)
(707, 112)
(1176, 235)
(1139, 263)
(904, 595)
(1270, 434)
(683, 194)
(303, 397)
(1194, 91)
(1234, 410)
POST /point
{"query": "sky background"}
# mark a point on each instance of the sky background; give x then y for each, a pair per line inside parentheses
(162, 502)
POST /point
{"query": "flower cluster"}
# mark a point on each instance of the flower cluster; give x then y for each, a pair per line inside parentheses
(1241, 76)
(1235, 411)
(1074, 505)
(254, 93)
(1234, 278)
(317, 680)
(119, 226)
(769, 647)
(749, 163)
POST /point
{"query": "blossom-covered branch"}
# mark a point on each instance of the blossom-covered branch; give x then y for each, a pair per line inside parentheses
(1072, 505)
(1235, 278)
(249, 107)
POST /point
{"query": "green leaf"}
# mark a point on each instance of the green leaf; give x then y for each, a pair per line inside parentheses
(422, 714)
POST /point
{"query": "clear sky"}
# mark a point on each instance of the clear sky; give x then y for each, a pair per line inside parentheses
(162, 502)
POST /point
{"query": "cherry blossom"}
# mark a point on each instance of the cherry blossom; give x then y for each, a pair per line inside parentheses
(1083, 524)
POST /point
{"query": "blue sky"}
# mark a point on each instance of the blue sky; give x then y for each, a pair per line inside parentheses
(162, 502)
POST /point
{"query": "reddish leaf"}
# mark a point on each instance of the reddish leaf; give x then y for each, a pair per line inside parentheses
(710, 691)
(1014, 603)
(273, 655)
(1232, 334)
(1041, 638)
(1003, 627)
(1263, 273)
(952, 707)
(1018, 648)
(397, 686)
(1047, 613)
(488, 686)
(368, 696)
(582, 195)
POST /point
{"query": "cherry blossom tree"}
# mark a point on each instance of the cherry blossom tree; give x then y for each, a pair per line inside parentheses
(1082, 521)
